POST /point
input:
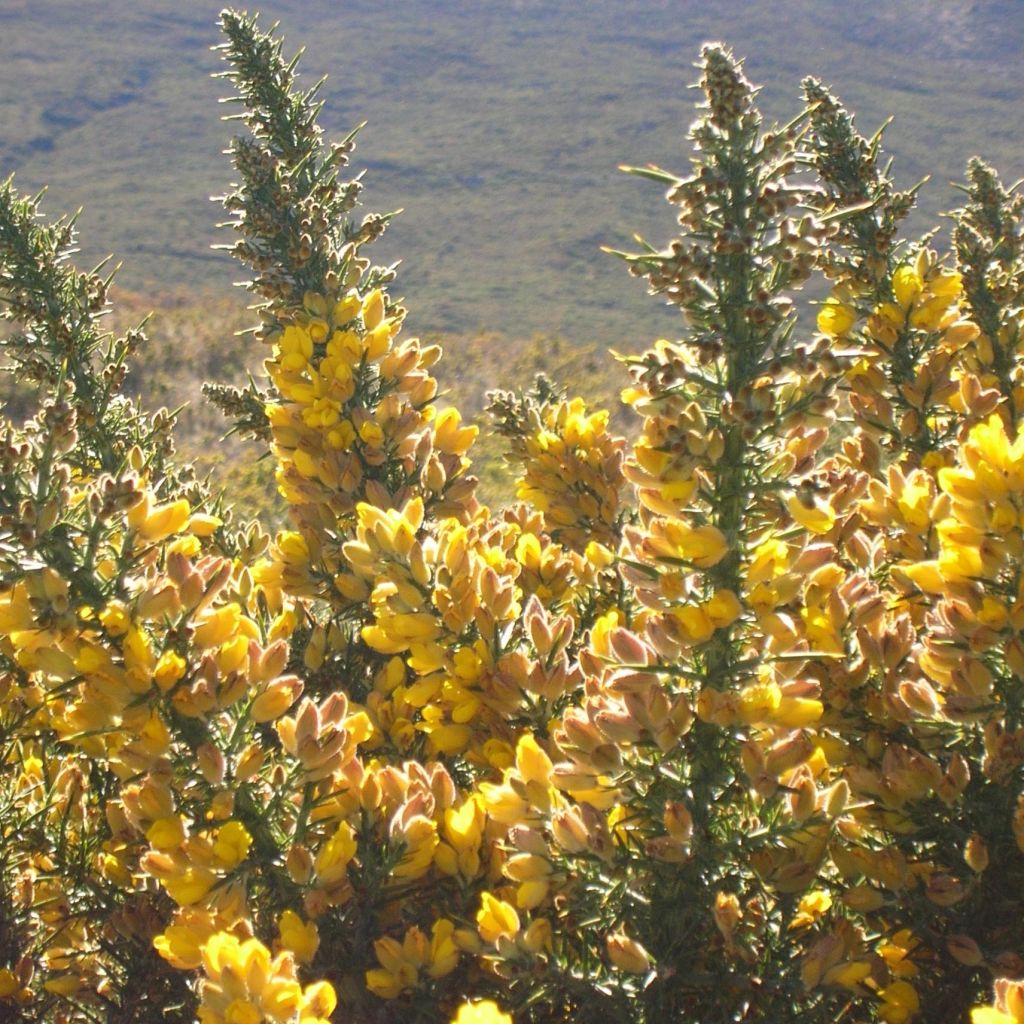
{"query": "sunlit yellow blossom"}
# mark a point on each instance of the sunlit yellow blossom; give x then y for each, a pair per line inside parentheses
(496, 918)
(483, 1012)
(231, 845)
(298, 936)
(835, 318)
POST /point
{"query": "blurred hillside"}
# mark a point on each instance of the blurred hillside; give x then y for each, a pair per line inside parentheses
(497, 126)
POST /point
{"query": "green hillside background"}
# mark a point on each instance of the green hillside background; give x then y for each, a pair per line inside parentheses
(497, 126)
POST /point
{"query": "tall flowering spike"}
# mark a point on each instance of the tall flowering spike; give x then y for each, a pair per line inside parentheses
(728, 408)
(854, 181)
(728, 94)
(688, 694)
(898, 317)
(347, 410)
(989, 244)
(290, 207)
(59, 344)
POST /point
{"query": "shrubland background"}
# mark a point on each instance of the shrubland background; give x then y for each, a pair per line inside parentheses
(498, 128)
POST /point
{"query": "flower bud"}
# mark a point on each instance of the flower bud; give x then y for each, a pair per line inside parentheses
(627, 954)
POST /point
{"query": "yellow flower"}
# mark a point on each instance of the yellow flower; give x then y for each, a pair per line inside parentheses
(798, 712)
(170, 667)
(190, 885)
(992, 1015)
(463, 832)
(298, 936)
(243, 984)
(695, 623)
(483, 1012)
(333, 859)
(419, 836)
(203, 525)
(231, 845)
(181, 943)
(906, 285)
(401, 963)
(373, 309)
(496, 918)
(815, 517)
(167, 833)
(811, 906)
(900, 1002)
(371, 434)
(1008, 1008)
(704, 546)
(836, 318)
(163, 521)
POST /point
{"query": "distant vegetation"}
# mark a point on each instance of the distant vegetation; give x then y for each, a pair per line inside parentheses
(497, 126)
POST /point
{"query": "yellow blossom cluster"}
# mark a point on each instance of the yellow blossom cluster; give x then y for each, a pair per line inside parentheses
(572, 473)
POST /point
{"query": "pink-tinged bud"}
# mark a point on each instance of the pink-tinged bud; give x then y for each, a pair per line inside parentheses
(618, 725)
(249, 763)
(569, 831)
(920, 697)
(307, 723)
(628, 648)
(945, 891)
(625, 680)
(316, 903)
(664, 644)
(270, 663)
(803, 796)
(299, 863)
(580, 733)
(599, 839)
(814, 556)
(155, 604)
(788, 754)
(211, 763)
(836, 798)
(179, 568)
(965, 950)
(954, 782)
(858, 550)
(527, 840)
(190, 589)
(570, 777)
(276, 699)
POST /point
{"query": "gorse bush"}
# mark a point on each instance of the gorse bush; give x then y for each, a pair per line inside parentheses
(721, 724)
